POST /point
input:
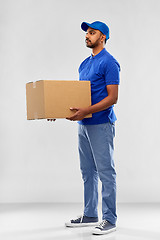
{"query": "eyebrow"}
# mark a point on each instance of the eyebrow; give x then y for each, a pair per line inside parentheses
(91, 30)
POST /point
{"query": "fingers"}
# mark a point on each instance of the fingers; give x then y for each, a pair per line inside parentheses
(72, 118)
(74, 109)
(51, 120)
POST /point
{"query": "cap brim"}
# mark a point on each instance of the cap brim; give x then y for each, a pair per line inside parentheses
(85, 26)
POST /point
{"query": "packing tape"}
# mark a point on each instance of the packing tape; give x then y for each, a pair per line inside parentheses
(34, 84)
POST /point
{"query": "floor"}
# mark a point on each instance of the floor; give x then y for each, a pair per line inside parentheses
(46, 222)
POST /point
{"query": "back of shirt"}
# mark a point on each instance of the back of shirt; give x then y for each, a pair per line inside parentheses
(101, 70)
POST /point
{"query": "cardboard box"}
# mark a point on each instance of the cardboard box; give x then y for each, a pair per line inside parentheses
(53, 99)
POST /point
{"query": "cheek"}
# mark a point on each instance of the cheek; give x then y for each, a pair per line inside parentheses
(93, 39)
(96, 40)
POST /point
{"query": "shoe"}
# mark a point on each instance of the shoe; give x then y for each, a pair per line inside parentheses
(103, 228)
(83, 221)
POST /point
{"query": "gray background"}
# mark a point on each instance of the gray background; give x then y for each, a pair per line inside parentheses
(42, 39)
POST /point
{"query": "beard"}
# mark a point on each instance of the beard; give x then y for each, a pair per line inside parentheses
(89, 44)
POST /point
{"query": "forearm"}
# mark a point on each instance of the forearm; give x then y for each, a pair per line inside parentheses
(102, 105)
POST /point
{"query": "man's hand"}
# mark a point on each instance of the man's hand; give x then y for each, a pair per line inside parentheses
(79, 114)
(51, 120)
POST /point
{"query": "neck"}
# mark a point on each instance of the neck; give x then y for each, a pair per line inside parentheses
(96, 50)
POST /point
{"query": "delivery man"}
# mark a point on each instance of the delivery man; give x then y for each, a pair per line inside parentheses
(96, 134)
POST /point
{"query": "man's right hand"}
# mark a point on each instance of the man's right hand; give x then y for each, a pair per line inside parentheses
(51, 120)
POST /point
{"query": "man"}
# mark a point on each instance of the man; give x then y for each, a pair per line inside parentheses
(96, 134)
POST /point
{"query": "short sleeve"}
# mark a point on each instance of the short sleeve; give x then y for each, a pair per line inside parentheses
(112, 73)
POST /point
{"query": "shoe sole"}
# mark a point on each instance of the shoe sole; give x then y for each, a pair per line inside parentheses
(100, 232)
(81, 224)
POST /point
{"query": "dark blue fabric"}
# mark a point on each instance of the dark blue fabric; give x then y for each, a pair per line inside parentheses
(101, 70)
(85, 219)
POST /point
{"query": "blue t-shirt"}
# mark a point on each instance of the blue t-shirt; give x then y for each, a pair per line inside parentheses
(101, 70)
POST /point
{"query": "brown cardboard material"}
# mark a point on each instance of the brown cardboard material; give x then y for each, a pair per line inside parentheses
(48, 99)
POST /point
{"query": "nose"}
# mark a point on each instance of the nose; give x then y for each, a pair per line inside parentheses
(86, 35)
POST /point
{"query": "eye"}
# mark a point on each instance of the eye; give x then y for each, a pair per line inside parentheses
(92, 33)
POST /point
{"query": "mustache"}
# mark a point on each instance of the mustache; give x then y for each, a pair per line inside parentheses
(87, 40)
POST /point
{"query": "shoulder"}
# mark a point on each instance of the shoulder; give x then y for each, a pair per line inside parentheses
(82, 65)
(110, 62)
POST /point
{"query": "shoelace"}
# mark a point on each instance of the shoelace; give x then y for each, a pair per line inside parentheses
(78, 218)
(102, 224)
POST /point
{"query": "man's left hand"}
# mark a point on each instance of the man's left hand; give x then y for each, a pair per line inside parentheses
(79, 114)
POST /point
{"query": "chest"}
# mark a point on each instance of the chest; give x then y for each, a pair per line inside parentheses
(92, 71)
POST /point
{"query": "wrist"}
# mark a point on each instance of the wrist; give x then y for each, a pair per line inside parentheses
(88, 110)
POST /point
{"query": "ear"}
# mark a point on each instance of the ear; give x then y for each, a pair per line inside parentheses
(103, 37)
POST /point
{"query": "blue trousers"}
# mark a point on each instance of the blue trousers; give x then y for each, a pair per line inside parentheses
(96, 162)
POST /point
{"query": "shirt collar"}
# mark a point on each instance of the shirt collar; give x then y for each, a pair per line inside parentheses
(99, 54)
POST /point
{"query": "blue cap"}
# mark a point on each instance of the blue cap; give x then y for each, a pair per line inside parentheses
(102, 27)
